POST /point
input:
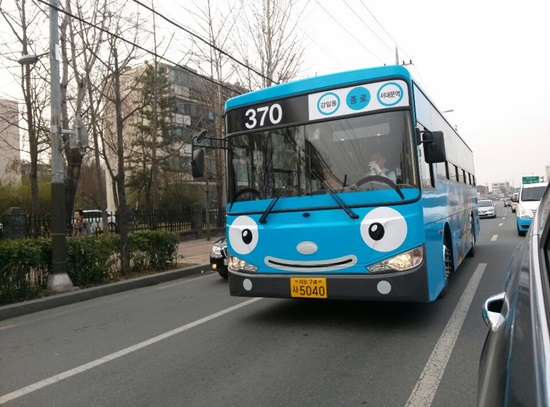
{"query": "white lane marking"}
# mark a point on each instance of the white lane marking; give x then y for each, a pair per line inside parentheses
(500, 224)
(428, 382)
(94, 363)
(494, 238)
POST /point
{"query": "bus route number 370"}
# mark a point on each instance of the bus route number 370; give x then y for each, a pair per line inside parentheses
(308, 287)
(257, 117)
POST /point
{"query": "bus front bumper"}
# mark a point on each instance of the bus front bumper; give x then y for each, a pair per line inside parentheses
(410, 286)
(523, 224)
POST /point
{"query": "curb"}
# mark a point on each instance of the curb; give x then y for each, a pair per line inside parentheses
(78, 295)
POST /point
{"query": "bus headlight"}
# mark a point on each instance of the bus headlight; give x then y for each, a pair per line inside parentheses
(402, 262)
(236, 264)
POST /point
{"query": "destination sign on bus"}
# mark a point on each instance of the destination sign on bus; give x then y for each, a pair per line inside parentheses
(355, 99)
(320, 105)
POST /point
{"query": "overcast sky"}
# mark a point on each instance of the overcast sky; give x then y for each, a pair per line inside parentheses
(488, 61)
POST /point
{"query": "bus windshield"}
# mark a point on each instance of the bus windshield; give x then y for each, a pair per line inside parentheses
(335, 155)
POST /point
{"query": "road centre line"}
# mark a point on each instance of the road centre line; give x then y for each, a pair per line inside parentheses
(500, 224)
(428, 382)
(494, 238)
(94, 363)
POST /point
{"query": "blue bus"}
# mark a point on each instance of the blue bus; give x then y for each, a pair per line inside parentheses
(346, 186)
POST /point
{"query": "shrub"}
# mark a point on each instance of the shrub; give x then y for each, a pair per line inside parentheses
(26, 264)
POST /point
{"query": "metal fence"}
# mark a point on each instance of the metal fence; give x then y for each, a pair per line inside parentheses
(16, 224)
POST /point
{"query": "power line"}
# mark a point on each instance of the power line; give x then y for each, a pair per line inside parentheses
(366, 25)
(346, 30)
(395, 42)
(312, 39)
(381, 26)
(206, 78)
(205, 41)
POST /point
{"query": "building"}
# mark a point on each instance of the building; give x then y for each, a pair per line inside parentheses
(193, 96)
(10, 157)
(500, 188)
(482, 190)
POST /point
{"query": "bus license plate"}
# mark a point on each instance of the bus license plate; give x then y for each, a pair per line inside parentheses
(308, 287)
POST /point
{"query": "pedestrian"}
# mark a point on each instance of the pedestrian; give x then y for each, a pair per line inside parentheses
(81, 227)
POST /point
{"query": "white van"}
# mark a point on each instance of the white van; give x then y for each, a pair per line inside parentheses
(528, 202)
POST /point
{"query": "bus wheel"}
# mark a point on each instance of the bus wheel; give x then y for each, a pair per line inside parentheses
(472, 251)
(447, 256)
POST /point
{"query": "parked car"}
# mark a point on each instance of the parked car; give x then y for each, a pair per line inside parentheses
(218, 257)
(486, 208)
(515, 361)
(93, 218)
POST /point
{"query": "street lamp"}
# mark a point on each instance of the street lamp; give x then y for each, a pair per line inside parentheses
(59, 279)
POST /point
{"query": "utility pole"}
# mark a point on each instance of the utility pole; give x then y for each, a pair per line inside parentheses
(59, 279)
(396, 56)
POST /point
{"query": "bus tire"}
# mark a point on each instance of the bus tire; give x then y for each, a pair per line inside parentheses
(448, 260)
(472, 251)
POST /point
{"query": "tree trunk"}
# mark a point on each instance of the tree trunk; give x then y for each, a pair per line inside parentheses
(120, 177)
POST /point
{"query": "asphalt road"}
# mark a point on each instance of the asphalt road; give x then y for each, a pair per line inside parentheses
(186, 342)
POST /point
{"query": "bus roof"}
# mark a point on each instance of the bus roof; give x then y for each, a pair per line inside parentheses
(535, 184)
(316, 83)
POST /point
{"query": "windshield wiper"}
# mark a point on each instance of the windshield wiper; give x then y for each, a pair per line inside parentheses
(266, 213)
(339, 201)
(334, 196)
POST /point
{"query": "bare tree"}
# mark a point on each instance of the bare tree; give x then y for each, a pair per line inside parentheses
(23, 22)
(267, 40)
(213, 49)
(121, 104)
(88, 34)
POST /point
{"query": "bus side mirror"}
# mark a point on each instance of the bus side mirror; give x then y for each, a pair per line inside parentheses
(434, 147)
(197, 163)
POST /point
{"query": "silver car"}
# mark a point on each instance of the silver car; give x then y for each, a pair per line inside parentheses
(515, 361)
(486, 208)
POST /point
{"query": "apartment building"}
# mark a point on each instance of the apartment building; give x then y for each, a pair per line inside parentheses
(192, 113)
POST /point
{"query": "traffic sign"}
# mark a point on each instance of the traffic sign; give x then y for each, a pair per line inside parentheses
(531, 179)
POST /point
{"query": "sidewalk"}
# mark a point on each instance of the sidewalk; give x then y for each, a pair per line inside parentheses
(193, 256)
(196, 251)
